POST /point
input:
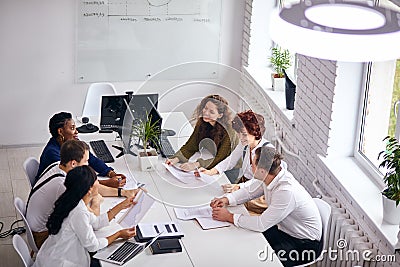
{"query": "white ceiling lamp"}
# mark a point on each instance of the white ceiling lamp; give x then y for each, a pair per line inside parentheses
(338, 30)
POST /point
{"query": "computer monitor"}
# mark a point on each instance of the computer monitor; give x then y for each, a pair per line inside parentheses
(126, 131)
(142, 104)
(113, 109)
(157, 119)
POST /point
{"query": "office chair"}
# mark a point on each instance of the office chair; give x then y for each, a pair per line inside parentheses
(31, 166)
(91, 107)
(20, 207)
(22, 249)
(325, 213)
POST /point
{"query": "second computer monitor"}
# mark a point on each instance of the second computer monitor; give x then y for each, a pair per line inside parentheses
(142, 104)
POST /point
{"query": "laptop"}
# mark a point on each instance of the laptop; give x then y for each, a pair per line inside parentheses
(124, 252)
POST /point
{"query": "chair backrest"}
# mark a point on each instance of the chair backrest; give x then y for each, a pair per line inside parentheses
(92, 105)
(20, 207)
(325, 213)
(31, 166)
(22, 249)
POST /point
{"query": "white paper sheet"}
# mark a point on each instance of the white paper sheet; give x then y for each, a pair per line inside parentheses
(184, 177)
(133, 216)
(188, 177)
(166, 228)
(203, 216)
(192, 213)
(210, 223)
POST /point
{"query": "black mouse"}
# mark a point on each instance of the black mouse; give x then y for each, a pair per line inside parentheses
(89, 126)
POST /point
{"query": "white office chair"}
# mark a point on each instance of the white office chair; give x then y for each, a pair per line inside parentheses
(31, 166)
(325, 212)
(22, 249)
(92, 105)
(20, 207)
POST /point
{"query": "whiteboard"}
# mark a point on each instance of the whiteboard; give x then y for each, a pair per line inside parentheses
(124, 40)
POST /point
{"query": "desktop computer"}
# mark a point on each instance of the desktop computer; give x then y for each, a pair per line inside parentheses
(113, 109)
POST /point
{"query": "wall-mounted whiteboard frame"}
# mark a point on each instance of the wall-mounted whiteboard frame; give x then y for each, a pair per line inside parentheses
(127, 40)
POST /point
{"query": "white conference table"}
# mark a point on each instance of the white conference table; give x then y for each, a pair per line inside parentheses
(227, 246)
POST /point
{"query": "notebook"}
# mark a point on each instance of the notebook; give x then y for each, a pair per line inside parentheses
(123, 252)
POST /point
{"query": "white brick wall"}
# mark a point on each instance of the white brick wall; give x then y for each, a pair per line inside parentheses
(307, 134)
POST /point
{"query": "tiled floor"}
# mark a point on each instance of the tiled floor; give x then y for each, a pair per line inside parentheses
(13, 183)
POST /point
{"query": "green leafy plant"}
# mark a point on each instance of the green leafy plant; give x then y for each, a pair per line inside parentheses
(280, 61)
(391, 161)
(148, 132)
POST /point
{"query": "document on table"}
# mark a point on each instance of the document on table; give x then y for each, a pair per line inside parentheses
(168, 229)
(133, 215)
(203, 215)
(188, 177)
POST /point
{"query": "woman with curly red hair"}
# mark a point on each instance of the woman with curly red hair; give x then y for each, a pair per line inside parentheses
(213, 131)
(250, 127)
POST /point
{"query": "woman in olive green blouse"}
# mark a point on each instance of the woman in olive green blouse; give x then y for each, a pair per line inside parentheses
(213, 131)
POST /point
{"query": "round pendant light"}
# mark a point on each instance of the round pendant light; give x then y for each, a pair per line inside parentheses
(338, 30)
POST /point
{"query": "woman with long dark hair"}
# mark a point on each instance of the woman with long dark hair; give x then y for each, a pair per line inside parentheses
(213, 131)
(71, 225)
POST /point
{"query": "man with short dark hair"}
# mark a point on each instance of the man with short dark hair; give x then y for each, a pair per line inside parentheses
(291, 223)
(50, 186)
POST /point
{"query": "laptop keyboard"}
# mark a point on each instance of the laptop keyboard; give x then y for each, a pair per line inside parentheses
(166, 147)
(125, 252)
(101, 150)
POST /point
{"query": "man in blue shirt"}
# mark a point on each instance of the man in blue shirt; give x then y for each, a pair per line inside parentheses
(62, 128)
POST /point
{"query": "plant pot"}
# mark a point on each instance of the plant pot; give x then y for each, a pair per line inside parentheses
(278, 84)
(290, 93)
(148, 162)
(391, 213)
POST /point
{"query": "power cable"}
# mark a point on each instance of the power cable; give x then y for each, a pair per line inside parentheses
(11, 231)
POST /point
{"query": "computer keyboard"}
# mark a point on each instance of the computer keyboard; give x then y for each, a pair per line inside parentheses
(125, 252)
(166, 149)
(101, 150)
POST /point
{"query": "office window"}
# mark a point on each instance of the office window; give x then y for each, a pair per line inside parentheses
(377, 110)
(378, 119)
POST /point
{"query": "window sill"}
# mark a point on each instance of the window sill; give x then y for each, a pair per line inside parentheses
(349, 176)
(262, 76)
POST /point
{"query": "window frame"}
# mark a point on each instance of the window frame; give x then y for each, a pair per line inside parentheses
(361, 158)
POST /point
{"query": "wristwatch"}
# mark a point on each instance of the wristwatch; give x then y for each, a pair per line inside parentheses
(119, 191)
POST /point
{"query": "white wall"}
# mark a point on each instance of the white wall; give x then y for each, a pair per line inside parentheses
(37, 64)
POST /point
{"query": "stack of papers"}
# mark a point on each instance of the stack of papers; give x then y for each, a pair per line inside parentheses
(203, 216)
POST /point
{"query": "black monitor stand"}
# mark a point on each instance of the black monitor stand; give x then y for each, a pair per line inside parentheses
(121, 149)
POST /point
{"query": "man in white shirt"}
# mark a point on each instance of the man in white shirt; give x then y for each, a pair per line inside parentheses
(291, 224)
(50, 186)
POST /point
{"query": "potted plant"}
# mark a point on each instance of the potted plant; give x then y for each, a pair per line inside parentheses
(391, 194)
(280, 61)
(148, 133)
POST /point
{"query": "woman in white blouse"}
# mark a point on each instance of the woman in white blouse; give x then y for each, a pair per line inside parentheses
(71, 226)
(250, 127)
